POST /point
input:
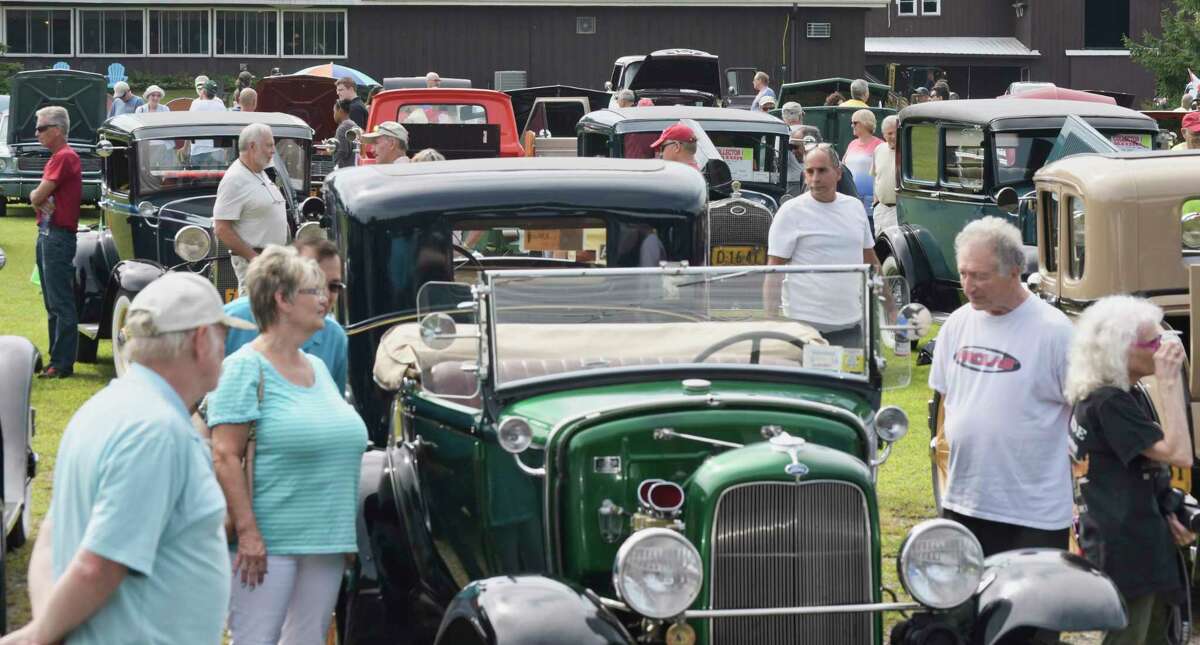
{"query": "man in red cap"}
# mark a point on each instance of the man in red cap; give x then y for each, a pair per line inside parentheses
(1191, 132)
(677, 143)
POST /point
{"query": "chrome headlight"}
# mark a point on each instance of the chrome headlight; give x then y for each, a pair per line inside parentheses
(514, 435)
(1191, 231)
(891, 423)
(658, 573)
(192, 243)
(941, 563)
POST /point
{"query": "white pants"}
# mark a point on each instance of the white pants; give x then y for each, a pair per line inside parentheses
(884, 216)
(292, 606)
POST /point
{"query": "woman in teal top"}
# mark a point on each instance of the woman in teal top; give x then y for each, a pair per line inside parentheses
(294, 529)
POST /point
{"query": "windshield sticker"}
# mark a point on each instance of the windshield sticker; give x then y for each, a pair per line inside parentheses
(853, 360)
(741, 162)
(1131, 141)
(823, 357)
(763, 177)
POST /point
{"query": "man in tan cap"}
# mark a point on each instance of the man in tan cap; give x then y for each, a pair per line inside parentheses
(391, 142)
(135, 528)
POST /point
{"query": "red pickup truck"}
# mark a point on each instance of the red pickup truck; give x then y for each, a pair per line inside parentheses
(459, 123)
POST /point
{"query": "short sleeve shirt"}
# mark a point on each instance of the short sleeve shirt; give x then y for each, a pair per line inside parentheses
(859, 158)
(1121, 529)
(809, 232)
(134, 484)
(343, 156)
(330, 344)
(65, 170)
(254, 204)
(884, 171)
(1008, 463)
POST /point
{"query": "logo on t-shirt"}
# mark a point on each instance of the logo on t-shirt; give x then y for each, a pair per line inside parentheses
(983, 359)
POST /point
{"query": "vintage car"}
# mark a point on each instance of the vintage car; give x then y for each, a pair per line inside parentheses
(669, 77)
(403, 225)
(160, 179)
(962, 160)
(833, 121)
(547, 115)
(19, 359)
(21, 163)
(740, 87)
(459, 123)
(310, 98)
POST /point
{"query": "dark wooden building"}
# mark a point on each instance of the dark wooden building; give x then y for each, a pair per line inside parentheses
(551, 41)
(983, 45)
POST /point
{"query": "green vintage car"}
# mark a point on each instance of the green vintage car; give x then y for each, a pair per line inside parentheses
(833, 121)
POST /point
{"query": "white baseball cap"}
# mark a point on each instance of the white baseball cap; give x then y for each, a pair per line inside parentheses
(201, 80)
(178, 301)
(387, 129)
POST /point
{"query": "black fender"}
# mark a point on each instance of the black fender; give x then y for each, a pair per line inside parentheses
(898, 242)
(1044, 589)
(532, 610)
(130, 276)
(95, 255)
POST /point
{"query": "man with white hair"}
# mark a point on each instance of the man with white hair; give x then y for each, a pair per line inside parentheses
(762, 85)
(1009, 479)
(626, 98)
(883, 169)
(859, 92)
(124, 101)
(133, 548)
(247, 100)
(249, 212)
(433, 80)
(201, 81)
(391, 143)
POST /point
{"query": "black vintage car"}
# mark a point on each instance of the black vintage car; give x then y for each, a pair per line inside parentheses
(670, 77)
(160, 177)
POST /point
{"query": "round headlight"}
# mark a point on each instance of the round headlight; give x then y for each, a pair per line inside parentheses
(1191, 231)
(891, 423)
(3, 164)
(514, 435)
(940, 563)
(192, 243)
(147, 210)
(658, 573)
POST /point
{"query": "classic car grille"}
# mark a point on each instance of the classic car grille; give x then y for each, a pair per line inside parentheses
(320, 168)
(223, 277)
(791, 545)
(745, 227)
(38, 164)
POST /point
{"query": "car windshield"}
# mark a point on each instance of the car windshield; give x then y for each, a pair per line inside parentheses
(200, 162)
(608, 319)
(443, 113)
(1021, 154)
(752, 157)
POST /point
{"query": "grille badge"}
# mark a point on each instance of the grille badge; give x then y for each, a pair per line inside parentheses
(792, 446)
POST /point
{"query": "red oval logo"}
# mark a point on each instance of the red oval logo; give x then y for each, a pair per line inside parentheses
(985, 359)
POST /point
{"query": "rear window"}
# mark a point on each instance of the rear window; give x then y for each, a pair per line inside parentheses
(451, 113)
(577, 240)
(921, 162)
(963, 159)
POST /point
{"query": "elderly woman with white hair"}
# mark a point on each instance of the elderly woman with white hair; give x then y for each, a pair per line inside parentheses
(286, 450)
(1120, 456)
(860, 156)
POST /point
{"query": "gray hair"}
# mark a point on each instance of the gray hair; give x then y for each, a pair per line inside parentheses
(120, 88)
(859, 89)
(998, 236)
(253, 133)
(762, 76)
(248, 95)
(626, 95)
(429, 154)
(831, 154)
(278, 269)
(160, 348)
(792, 110)
(56, 115)
(890, 121)
(1100, 347)
(866, 117)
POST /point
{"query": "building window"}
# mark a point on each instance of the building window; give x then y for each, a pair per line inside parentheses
(931, 7)
(585, 25)
(1105, 22)
(246, 33)
(38, 32)
(314, 33)
(906, 7)
(111, 31)
(178, 33)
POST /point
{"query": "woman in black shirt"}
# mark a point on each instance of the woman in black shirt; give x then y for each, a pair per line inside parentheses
(1120, 456)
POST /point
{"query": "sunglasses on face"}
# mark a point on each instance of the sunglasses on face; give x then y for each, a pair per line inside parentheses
(42, 128)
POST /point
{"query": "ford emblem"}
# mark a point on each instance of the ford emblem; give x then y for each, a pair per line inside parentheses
(796, 470)
(737, 210)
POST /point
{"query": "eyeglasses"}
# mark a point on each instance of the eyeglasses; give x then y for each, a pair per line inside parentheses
(313, 291)
(336, 286)
(42, 128)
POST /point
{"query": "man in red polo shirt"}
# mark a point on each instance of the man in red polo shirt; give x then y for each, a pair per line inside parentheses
(677, 143)
(56, 201)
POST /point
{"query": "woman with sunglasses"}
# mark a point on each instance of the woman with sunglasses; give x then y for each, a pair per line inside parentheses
(1120, 456)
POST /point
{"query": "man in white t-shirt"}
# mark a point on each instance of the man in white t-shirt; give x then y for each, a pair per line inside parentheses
(1000, 367)
(202, 150)
(821, 227)
(249, 212)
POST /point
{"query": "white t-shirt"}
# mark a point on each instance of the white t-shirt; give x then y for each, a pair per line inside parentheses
(1006, 420)
(256, 207)
(145, 107)
(808, 232)
(884, 171)
(204, 146)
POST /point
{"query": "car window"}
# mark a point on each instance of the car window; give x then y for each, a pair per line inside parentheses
(116, 171)
(921, 155)
(636, 145)
(555, 119)
(1018, 155)
(200, 162)
(444, 113)
(963, 159)
(575, 240)
(594, 145)
(751, 157)
(1076, 231)
(1049, 201)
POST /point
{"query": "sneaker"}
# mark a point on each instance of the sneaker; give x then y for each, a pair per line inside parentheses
(53, 372)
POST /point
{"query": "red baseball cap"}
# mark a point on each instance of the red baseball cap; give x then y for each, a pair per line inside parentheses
(1191, 121)
(677, 132)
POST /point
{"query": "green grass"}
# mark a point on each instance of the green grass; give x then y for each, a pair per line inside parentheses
(905, 493)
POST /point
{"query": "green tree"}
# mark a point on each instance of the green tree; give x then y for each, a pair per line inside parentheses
(1169, 56)
(7, 70)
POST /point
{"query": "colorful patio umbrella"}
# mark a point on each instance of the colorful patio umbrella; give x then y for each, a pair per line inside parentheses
(329, 70)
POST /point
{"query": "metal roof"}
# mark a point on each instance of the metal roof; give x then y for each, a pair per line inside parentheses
(1006, 46)
(988, 110)
(132, 122)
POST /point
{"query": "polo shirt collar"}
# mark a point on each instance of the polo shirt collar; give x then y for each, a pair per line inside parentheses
(153, 380)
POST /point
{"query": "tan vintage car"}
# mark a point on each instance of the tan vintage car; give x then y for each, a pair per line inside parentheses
(1111, 224)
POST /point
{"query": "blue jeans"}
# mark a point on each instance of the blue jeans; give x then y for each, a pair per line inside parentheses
(56, 266)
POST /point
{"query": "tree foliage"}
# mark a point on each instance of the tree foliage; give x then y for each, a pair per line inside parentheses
(1169, 56)
(7, 70)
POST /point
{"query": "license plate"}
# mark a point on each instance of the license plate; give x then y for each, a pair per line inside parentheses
(737, 256)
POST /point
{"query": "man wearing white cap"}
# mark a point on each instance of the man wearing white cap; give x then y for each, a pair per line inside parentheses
(124, 101)
(201, 81)
(133, 549)
(391, 142)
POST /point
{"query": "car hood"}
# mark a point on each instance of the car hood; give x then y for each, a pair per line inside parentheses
(309, 98)
(83, 94)
(689, 71)
(524, 99)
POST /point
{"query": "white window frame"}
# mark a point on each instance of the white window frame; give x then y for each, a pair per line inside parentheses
(235, 9)
(345, 34)
(935, 12)
(4, 26)
(209, 18)
(916, 10)
(77, 31)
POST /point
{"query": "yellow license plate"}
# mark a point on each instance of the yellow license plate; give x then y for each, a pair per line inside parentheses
(737, 256)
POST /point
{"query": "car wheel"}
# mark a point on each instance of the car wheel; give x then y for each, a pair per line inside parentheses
(120, 309)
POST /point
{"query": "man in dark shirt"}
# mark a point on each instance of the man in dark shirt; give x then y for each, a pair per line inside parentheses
(346, 91)
(343, 154)
(56, 201)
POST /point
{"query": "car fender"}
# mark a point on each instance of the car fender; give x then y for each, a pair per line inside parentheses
(528, 609)
(1046, 589)
(95, 253)
(130, 276)
(900, 242)
(19, 359)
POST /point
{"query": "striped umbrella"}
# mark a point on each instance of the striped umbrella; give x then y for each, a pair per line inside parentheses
(329, 70)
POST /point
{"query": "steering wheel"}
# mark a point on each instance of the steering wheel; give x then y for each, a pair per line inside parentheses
(469, 256)
(756, 338)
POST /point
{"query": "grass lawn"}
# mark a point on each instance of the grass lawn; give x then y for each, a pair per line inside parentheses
(905, 494)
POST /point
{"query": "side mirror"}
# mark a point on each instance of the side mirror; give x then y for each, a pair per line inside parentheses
(607, 86)
(438, 331)
(717, 173)
(1007, 200)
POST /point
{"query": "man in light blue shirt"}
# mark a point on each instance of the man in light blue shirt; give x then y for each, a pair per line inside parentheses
(329, 344)
(133, 549)
(762, 84)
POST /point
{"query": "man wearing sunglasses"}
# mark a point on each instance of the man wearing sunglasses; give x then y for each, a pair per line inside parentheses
(330, 343)
(677, 143)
